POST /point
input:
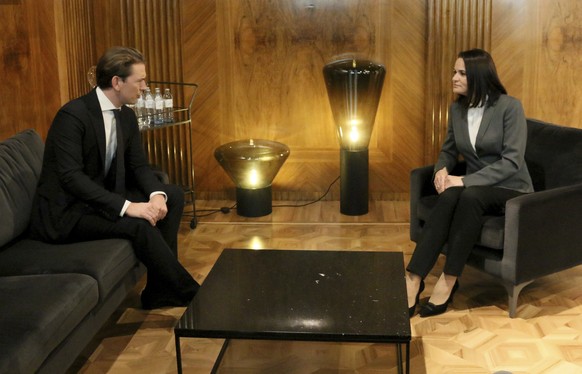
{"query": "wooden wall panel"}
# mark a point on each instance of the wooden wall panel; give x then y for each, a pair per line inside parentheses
(74, 28)
(400, 139)
(538, 47)
(200, 65)
(454, 26)
(154, 28)
(267, 60)
(29, 93)
(259, 64)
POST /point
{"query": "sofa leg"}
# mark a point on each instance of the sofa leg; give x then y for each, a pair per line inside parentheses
(513, 295)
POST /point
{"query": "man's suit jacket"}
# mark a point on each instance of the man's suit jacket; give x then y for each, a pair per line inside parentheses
(500, 146)
(73, 181)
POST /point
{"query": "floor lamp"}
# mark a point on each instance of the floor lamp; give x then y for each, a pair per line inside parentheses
(354, 88)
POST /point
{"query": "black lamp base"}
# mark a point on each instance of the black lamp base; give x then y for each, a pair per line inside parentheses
(353, 182)
(254, 203)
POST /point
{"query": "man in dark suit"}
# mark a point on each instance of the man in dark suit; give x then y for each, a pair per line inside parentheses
(96, 182)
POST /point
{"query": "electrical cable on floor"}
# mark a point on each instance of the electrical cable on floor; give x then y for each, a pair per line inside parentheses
(226, 210)
(223, 210)
(310, 202)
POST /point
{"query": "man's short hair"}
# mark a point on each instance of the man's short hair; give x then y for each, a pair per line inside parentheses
(117, 61)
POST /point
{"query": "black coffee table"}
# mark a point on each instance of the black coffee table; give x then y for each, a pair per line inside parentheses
(339, 296)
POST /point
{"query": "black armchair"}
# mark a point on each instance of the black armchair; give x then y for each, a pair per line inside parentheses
(540, 233)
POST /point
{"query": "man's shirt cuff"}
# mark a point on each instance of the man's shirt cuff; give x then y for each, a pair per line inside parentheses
(125, 206)
(127, 202)
(159, 193)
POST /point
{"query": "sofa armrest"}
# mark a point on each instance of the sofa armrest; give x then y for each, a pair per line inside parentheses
(420, 185)
(542, 233)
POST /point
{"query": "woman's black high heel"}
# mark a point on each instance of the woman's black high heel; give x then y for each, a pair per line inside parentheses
(429, 309)
(412, 309)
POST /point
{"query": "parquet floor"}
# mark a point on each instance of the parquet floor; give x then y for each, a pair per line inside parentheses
(474, 336)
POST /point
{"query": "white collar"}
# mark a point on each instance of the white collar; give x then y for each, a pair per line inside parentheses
(104, 101)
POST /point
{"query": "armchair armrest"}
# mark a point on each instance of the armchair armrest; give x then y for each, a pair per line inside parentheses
(542, 233)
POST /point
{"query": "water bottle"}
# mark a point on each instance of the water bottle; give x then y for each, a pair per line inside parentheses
(159, 106)
(149, 105)
(168, 106)
(140, 111)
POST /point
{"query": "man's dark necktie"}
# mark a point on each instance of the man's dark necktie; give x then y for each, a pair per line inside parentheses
(120, 155)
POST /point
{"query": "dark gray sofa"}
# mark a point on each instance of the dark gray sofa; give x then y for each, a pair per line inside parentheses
(53, 298)
(540, 233)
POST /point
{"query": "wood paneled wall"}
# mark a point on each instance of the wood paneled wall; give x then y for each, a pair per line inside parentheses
(75, 50)
(453, 26)
(537, 46)
(258, 64)
(29, 92)
(261, 77)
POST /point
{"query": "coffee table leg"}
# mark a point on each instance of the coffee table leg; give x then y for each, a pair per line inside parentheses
(220, 355)
(399, 357)
(178, 354)
(407, 357)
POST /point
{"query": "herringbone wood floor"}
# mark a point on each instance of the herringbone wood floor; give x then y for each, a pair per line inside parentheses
(474, 336)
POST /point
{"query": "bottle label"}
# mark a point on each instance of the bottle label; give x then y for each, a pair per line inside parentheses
(168, 103)
(159, 104)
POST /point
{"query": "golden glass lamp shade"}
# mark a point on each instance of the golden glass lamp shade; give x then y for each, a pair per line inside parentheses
(252, 165)
(354, 88)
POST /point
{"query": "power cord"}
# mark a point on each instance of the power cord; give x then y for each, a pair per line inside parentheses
(310, 202)
(223, 210)
(226, 210)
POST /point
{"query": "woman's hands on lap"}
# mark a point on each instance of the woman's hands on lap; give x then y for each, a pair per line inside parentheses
(442, 180)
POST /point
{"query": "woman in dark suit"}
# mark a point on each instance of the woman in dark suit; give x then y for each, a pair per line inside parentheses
(488, 129)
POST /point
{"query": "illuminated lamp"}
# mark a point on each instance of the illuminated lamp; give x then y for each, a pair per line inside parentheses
(354, 88)
(252, 165)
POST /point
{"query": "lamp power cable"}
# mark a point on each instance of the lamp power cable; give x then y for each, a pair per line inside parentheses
(226, 209)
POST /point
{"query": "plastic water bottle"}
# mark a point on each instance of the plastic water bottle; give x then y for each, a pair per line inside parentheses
(140, 111)
(149, 106)
(168, 106)
(159, 107)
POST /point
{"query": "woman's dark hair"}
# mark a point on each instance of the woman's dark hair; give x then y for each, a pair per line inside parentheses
(117, 61)
(483, 84)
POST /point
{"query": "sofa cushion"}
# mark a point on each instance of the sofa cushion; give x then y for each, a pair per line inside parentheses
(20, 165)
(39, 312)
(548, 167)
(492, 233)
(108, 260)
